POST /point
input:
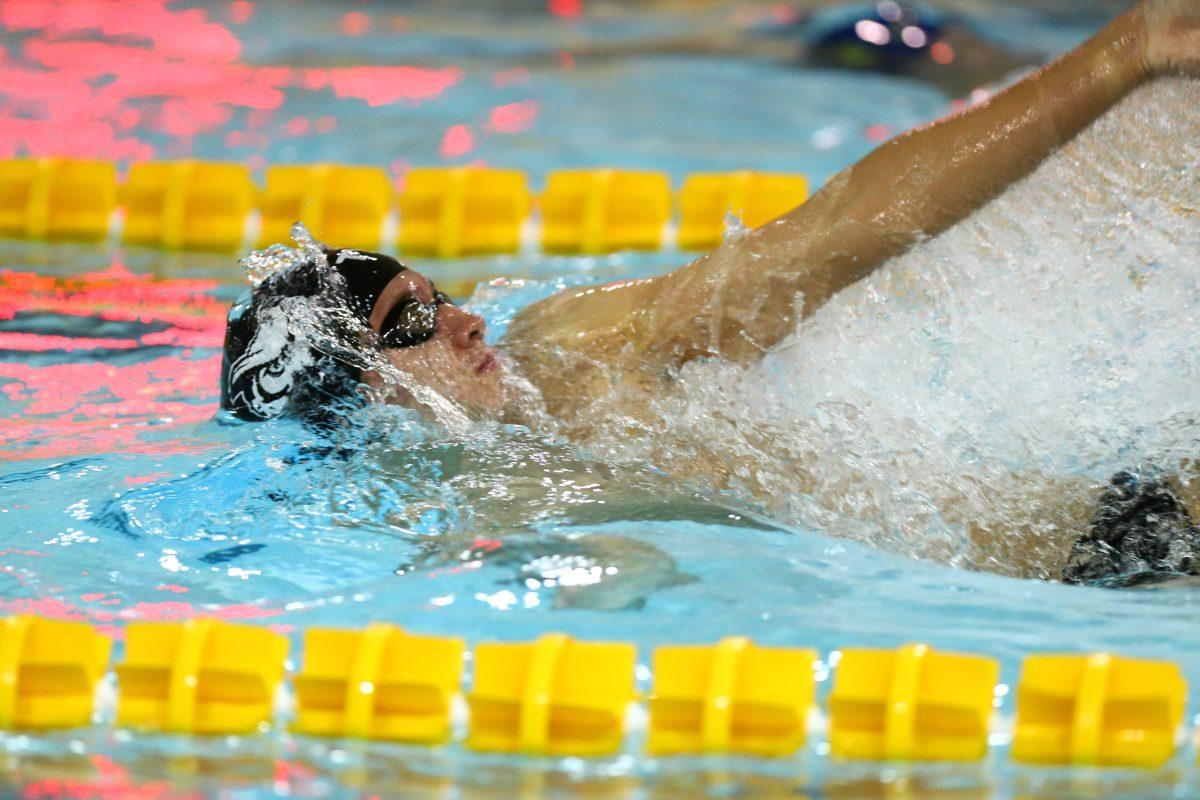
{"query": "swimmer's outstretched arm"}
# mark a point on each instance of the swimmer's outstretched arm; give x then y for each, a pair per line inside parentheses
(740, 299)
(914, 187)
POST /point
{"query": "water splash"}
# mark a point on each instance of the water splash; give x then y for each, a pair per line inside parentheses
(965, 401)
(735, 228)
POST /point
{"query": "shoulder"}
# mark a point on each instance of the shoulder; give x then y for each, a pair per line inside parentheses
(577, 346)
(605, 320)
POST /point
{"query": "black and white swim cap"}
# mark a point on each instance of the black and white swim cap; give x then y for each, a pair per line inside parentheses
(294, 343)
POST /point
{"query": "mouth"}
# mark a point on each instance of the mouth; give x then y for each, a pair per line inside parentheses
(488, 363)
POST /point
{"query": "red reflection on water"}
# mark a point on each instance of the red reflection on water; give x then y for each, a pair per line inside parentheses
(111, 782)
(568, 9)
(297, 126)
(942, 53)
(142, 611)
(878, 132)
(37, 342)
(177, 32)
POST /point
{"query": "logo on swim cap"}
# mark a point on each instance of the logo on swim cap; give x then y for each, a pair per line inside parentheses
(354, 255)
(262, 378)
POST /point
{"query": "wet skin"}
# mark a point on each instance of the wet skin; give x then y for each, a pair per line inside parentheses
(624, 339)
(455, 361)
(605, 352)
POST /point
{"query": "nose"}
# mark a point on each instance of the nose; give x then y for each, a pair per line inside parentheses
(464, 328)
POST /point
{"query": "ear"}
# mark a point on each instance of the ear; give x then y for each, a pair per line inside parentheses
(373, 379)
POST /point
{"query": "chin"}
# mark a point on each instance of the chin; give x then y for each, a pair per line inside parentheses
(488, 397)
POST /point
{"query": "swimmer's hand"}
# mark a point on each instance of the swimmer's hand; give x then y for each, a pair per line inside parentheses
(1172, 36)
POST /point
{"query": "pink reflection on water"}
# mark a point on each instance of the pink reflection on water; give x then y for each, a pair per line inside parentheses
(89, 75)
(110, 781)
(457, 141)
(382, 85)
(355, 23)
(92, 405)
(513, 117)
(141, 611)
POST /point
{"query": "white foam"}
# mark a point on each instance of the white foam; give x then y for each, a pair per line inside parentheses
(1054, 331)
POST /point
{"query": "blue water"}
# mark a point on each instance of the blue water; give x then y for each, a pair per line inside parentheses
(121, 498)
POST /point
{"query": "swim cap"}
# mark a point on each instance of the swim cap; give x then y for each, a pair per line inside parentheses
(366, 275)
(294, 342)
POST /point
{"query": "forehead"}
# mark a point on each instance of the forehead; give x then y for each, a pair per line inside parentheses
(407, 284)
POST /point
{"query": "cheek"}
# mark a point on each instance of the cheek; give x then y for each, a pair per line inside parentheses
(425, 362)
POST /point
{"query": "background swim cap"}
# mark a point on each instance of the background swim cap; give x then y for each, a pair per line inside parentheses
(293, 344)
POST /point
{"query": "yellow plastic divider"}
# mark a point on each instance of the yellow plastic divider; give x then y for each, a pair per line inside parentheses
(57, 198)
(732, 697)
(1097, 709)
(197, 205)
(459, 211)
(555, 696)
(199, 676)
(755, 197)
(559, 696)
(604, 210)
(911, 704)
(341, 205)
(48, 672)
(445, 212)
(379, 683)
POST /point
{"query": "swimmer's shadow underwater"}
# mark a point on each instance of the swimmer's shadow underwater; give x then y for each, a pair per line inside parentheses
(513, 510)
(525, 512)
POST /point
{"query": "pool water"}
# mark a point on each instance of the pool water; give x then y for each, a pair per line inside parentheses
(1049, 333)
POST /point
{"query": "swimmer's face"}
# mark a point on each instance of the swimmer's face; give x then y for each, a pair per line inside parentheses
(454, 361)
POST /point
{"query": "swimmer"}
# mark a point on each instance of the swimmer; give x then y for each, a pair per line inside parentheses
(598, 353)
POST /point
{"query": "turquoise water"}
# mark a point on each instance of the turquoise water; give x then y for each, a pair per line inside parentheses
(122, 499)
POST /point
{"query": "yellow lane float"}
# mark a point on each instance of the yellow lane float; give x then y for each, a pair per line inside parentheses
(755, 198)
(555, 696)
(911, 704)
(342, 205)
(462, 211)
(378, 683)
(199, 676)
(604, 210)
(48, 672)
(734, 696)
(187, 205)
(57, 198)
(1097, 709)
